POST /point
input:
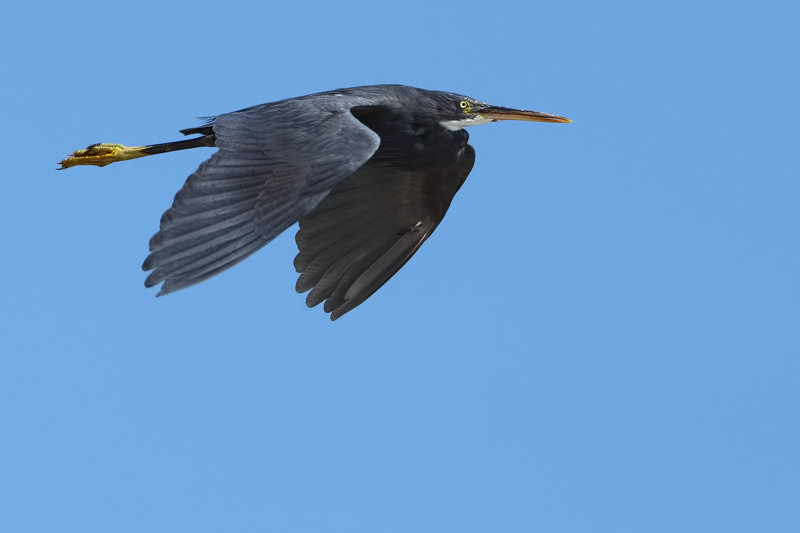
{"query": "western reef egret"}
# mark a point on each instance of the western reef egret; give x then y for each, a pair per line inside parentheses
(368, 172)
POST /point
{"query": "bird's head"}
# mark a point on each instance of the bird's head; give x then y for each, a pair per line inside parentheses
(457, 111)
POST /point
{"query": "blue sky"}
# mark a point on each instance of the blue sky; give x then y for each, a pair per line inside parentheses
(602, 335)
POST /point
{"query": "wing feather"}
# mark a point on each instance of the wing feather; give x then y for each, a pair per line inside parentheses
(369, 226)
(274, 164)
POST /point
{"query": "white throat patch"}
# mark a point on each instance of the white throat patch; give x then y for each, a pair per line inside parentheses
(455, 125)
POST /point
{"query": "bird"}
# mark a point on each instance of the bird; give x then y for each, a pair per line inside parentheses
(368, 173)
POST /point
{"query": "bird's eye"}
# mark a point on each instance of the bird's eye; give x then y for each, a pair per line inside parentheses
(464, 104)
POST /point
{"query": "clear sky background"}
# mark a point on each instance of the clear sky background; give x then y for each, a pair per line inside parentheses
(602, 335)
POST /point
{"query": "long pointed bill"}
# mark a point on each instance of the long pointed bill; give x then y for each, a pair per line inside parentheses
(505, 113)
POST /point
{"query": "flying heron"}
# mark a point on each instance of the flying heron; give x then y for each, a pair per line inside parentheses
(368, 172)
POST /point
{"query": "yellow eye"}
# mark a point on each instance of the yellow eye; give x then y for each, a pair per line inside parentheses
(464, 105)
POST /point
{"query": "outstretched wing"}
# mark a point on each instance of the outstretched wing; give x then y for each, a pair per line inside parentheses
(369, 225)
(275, 163)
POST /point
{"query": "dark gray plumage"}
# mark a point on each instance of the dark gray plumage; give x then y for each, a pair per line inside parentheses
(368, 172)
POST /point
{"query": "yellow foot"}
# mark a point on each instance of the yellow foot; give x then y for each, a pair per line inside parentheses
(102, 154)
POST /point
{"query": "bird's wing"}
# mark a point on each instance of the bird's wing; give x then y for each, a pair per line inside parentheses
(275, 163)
(368, 227)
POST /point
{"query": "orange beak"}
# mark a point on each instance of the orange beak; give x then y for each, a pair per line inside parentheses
(505, 113)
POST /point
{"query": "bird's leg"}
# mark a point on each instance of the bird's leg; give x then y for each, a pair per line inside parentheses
(102, 154)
